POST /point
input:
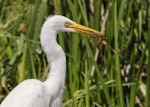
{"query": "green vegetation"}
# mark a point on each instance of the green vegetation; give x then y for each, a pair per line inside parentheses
(110, 81)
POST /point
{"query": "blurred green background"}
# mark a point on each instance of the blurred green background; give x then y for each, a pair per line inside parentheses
(110, 81)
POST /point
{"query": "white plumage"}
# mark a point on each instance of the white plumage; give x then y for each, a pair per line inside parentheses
(34, 93)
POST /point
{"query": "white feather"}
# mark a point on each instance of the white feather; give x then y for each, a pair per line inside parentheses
(34, 93)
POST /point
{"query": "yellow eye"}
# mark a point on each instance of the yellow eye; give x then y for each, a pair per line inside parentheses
(67, 24)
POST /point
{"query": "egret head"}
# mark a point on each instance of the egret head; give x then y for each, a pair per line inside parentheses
(60, 23)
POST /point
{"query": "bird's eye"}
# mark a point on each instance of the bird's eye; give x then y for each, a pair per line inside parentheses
(67, 24)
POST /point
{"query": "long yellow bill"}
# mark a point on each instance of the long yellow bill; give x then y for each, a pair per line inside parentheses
(86, 30)
(93, 33)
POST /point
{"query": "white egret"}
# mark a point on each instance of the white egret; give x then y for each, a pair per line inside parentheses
(34, 93)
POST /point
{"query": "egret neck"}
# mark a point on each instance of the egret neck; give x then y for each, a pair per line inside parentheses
(56, 59)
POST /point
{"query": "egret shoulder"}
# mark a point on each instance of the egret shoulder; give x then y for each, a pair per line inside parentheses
(32, 91)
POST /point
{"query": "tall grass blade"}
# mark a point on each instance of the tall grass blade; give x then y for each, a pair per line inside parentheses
(117, 62)
(147, 99)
